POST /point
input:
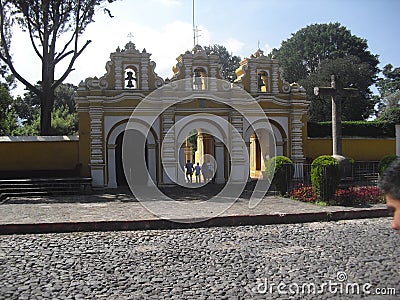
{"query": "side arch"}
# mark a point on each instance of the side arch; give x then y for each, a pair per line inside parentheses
(111, 144)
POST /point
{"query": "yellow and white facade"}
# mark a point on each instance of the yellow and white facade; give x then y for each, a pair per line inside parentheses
(105, 105)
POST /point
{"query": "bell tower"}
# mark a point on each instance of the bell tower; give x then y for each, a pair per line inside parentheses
(198, 66)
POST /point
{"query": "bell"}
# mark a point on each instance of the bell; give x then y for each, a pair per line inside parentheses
(130, 79)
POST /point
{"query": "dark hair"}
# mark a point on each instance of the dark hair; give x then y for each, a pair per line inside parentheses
(390, 180)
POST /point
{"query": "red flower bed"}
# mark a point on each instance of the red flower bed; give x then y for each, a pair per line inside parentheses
(350, 196)
(304, 193)
(359, 195)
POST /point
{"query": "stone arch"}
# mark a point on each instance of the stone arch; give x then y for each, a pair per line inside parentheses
(280, 138)
(211, 127)
(111, 142)
(263, 143)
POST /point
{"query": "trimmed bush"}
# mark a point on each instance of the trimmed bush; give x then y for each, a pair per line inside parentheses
(385, 162)
(325, 176)
(282, 170)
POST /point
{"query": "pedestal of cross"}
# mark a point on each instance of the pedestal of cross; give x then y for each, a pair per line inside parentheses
(336, 95)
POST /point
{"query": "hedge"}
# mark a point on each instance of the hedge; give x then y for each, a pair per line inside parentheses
(385, 162)
(282, 170)
(353, 128)
(325, 177)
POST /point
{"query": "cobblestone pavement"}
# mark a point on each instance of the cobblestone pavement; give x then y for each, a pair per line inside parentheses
(206, 263)
(121, 206)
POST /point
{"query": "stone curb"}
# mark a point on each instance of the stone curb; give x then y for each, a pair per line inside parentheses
(159, 224)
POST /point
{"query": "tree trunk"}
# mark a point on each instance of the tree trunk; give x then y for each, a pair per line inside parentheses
(45, 115)
(47, 95)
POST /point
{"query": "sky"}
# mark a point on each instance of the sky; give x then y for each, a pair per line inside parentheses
(164, 28)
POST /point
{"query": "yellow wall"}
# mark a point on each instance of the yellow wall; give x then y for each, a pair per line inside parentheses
(356, 148)
(39, 153)
(64, 153)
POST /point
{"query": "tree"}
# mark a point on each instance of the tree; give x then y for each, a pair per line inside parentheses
(64, 117)
(391, 115)
(46, 21)
(8, 117)
(228, 61)
(350, 72)
(389, 89)
(302, 55)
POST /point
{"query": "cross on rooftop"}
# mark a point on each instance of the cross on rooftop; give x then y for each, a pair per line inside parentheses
(130, 36)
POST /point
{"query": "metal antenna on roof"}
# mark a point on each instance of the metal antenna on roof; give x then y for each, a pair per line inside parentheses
(194, 27)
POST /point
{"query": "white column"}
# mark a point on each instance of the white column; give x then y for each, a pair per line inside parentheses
(181, 165)
(275, 79)
(398, 139)
(144, 74)
(297, 144)
(152, 162)
(219, 156)
(119, 72)
(200, 147)
(169, 152)
(112, 177)
(253, 153)
(188, 74)
(96, 145)
(253, 79)
(249, 164)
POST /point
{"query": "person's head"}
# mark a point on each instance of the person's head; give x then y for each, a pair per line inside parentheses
(188, 160)
(390, 185)
(197, 163)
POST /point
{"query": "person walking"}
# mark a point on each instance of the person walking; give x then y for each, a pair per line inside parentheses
(189, 171)
(197, 169)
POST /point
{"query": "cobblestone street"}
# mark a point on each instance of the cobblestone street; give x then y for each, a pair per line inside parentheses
(206, 263)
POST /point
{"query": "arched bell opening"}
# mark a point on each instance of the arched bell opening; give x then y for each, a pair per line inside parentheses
(199, 79)
(263, 82)
(131, 78)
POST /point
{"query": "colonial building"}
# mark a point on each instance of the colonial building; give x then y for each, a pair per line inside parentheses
(106, 105)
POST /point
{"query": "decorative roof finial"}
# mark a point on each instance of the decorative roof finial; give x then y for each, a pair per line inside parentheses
(130, 36)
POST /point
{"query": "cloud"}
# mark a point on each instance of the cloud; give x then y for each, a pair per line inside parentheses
(233, 45)
(165, 44)
(267, 48)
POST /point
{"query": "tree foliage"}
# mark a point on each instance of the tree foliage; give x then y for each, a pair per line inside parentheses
(389, 89)
(8, 116)
(313, 51)
(350, 72)
(21, 115)
(228, 61)
(64, 117)
(391, 115)
(46, 21)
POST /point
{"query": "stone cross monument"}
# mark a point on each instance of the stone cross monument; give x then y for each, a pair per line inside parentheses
(336, 95)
